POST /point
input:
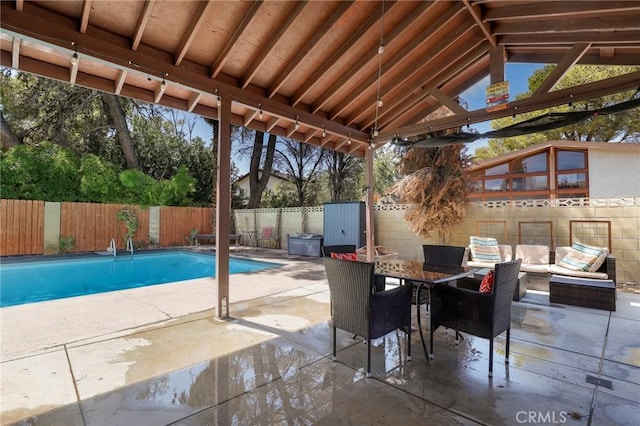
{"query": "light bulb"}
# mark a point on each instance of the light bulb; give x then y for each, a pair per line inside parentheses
(74, 59)
(379, 101)
(297, 125)
(375, 131)
(324, 131)
(381, 49)
(349, 141)
(163, 86)
(219, 101)
(261, 115)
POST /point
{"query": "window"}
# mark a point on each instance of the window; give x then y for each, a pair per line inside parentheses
(496, 185)
(501, 169)
(571, 160)
(533, 164)
(530, 183)
(572, 180)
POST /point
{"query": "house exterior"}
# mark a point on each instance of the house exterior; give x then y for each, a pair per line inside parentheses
(275, 180)
(559, 169)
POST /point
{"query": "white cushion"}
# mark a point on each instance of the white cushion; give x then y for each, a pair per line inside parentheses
(581, 257)
(528, 267)
(559, 270)
(532, 254)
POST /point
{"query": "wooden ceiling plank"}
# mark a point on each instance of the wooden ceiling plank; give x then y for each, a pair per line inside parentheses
(318, 35)
(616, 23)
(193, 101)
(407, 98)
(556, 9)
(109, 53)
(447, 101)
(534, 103)
(562, 67)
(273, 40)
(86, 11)
(418, 67)
(120, 79)
(237, 34)
(191, 31)
(476, 13)
(143, 19)
(271, 124)
(367, 57)
(338, 54)
(15, 53)
(403, 54)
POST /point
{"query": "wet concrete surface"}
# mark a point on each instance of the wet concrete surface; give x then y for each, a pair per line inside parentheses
(270, 363)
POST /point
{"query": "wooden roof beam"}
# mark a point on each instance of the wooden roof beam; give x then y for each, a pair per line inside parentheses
(373, 54)
(120, 79)
(447, 101)
(534, 103)
(476, 13)
(266, 51)
(142, 23)
(557, 9)
(193, 101)
(86, 11)
(563, 66)
(191, 31)
(615, 23)
(371, 22)
(404, 54)
(15, 53)
(233, 40)
(629, 37)
(294, 63)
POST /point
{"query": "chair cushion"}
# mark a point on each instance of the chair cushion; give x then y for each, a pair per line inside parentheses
(599, 261)
(559, 270)
(580, 257)
(484, 249)
(344, 256)
(486, 286)
(533, 254)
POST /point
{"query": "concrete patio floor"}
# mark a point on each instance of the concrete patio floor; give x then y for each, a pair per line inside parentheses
(157, 356)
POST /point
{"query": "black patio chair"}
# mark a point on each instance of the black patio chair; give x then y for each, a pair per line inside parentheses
(378, 280)
(437, 255)
(485, 315)
(357, 309)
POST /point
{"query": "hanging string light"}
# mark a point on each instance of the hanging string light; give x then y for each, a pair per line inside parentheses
(379, 102)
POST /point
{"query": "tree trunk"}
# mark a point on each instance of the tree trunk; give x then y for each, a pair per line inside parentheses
(258, 182)
(9, 138)
(120, 122)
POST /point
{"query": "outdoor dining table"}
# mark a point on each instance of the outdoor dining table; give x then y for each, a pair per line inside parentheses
(422, 275)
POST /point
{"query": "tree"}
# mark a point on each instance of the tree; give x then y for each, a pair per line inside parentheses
(259, 176)
(119, 120)
(345, 174)
(622, 127)
(301, 162)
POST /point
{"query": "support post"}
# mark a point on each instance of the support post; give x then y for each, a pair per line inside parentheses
(223, 210)
(369, 204)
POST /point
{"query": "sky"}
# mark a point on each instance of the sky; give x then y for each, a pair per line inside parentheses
(516, 74)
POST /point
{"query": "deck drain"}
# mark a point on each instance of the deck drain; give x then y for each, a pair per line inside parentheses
(599, 382)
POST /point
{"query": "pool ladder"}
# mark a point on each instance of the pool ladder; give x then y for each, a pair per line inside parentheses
(130, 246)
(112, 246)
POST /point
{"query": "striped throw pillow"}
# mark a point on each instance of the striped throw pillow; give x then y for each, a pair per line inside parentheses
(580, 257)
(484, 249)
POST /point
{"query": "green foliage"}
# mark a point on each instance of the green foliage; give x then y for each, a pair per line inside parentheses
(66, 244)
(99, 181)
(130, 219)
(623, 127)
(47, 172)
(191, 238)
(283, 195)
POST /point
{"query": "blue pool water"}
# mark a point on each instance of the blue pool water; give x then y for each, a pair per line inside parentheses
(37, 281)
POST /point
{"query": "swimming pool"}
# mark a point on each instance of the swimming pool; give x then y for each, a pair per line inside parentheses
(37, 281)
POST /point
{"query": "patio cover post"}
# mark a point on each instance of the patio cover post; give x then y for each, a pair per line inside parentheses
(369, 203)
(223, 207)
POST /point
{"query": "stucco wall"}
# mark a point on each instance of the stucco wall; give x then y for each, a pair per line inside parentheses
(613, 173)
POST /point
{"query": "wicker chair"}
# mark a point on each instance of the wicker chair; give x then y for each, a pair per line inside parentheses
(437, 255)
(357, 309)
(484, 315)
(379, 281)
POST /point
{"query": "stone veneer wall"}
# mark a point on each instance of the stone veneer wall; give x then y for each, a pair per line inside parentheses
(391, 230)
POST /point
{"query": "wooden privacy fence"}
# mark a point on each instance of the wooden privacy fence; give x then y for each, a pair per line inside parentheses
(176, 223)
(21, 227)
(94, 225)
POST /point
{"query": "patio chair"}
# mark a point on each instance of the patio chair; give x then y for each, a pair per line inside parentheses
(437, 255)
(265, 235)
(378, 280)
(485, 315)
(357, 309)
